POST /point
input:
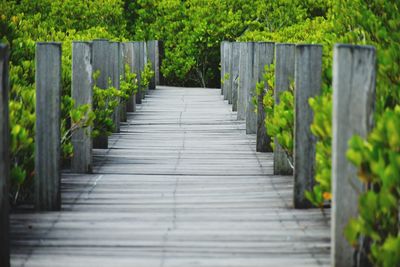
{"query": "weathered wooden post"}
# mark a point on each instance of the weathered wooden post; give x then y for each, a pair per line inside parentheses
(4, 157)
(249, 92)
(235, 74)
(153, 57)
(284, 75)
(245, 74)
(308, 71)
(82, 90)
(128, 58)
(229, 90)
(227, 52)
(353, 108)
(143, 62)
(48, 123)
(122, 105)
(114, 61)
(100, 53)
(263, 55)
(222, 65)
(160, 79)
(137, 70)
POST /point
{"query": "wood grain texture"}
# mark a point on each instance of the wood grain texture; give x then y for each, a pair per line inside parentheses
(114, 64)
(48, 126)
(308, 75)
(143, 62)
(235, 74)
(101, 54)
(227, 58)
(263, 56)
(180, 185)
(128, 58)
(353, 109)
(153, 57)
(82, 93)
(137, 69)
(284, 76)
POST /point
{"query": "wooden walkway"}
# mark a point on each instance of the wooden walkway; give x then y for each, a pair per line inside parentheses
(181, 185)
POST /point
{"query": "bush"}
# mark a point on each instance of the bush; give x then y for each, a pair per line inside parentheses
(378, 161)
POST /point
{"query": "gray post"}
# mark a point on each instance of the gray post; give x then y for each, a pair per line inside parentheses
(230, 81)
(82, 90)
(48, 123)
(128, 59)
(308, 75)
(157, 62)
(222, 65)
(123, 105)
(263, 55)
(249, 109)
(100, 53)
(245, 74)
(160, 79)
(235, 74)
(137, 70)
(143, 62)
(353, 108)
(152, 56)
(227, 46)
(4, 157)
(284, 75)
(114, 61)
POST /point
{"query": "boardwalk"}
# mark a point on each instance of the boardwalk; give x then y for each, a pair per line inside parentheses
(181, 185)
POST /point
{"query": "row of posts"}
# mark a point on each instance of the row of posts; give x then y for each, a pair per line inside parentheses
(354, 69)
(101, 55)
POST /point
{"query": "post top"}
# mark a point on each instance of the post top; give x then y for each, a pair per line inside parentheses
(308, 45)
(350, 46)
(285, 44)
(4, 51)
(49, 43)
(100, 40)
(81, 42)
(265, 42)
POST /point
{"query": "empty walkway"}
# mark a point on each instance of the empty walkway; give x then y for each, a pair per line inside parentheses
(181, 185)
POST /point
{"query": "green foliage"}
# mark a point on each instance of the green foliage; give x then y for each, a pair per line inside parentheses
(281, 123)
(105, 101)
(191, 31)
(268, 100)
(128, 84)
(279, 117)
(22, 24)
(225, 78)
(322, 129)
(378, 161)
(146, 76)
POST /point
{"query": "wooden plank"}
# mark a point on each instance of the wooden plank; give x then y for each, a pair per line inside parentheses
(181, 185)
